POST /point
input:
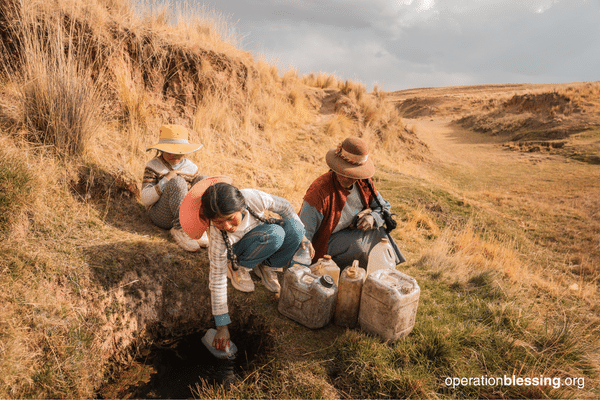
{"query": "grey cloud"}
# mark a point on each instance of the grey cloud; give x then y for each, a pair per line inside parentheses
(516, 42)
(337, 13)
(465, 41)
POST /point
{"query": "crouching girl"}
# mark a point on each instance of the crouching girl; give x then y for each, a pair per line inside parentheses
(239, 231)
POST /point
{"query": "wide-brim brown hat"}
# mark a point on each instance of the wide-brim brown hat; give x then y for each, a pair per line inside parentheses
(351, 159)
(174, 139)
(192, 218)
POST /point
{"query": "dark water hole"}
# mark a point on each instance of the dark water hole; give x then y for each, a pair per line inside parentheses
(172, 371)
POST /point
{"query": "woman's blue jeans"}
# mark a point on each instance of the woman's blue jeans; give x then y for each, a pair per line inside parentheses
(271, 244)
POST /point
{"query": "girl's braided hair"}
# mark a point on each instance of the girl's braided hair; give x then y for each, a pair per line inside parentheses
(225, 199)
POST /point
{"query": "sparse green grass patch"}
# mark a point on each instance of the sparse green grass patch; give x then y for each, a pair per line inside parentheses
(16, 185)
(460, 334)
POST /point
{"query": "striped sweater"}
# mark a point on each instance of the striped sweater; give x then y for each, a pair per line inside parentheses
(156, 169)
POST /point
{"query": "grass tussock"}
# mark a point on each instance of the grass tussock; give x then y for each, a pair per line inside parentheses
(58, 99)
(61, 104)
(465, 253)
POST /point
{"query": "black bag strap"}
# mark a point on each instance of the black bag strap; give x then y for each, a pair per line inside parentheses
(390, 224)
(372, 190)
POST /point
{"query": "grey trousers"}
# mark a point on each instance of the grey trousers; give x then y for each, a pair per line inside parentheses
(348, 245)
(165, 212)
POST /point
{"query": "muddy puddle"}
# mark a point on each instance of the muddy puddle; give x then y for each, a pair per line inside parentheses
(172, 371)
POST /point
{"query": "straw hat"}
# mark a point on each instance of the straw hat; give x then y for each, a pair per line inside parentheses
(351, 159)
(192, 218)
(174, 139)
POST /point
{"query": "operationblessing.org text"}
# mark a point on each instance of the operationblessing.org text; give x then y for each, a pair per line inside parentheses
(513, 380)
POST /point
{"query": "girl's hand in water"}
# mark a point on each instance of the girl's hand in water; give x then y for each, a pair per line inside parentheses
(221, 340)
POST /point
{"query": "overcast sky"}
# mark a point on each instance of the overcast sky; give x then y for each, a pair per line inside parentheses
(401, 44)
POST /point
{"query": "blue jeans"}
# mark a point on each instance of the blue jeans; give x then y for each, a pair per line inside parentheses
(271, 244)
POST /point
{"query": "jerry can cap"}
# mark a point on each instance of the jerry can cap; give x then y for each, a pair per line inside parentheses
(353, 270)
(326, 281)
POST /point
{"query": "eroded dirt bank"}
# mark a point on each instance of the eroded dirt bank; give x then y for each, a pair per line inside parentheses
(154, 294)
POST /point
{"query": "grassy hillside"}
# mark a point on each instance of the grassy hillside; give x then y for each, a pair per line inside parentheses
(89, 284)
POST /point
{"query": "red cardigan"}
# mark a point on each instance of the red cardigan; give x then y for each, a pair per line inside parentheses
(329, 197)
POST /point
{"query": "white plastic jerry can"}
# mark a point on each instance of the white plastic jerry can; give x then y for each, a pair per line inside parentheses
(307, 298)
(388, 304)
(381, 256)
(348, 298)
(326, 266)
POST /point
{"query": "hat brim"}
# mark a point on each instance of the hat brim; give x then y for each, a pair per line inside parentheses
(192, 219)
(176, 148)
(367, 170)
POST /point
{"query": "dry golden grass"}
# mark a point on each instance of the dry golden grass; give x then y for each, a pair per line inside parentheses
(465, 254)
(113, 103)
(44, 329)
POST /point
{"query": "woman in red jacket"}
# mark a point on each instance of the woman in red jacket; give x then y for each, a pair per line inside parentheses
(342, 215)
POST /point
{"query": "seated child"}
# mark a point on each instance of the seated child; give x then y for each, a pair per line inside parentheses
(167, 179)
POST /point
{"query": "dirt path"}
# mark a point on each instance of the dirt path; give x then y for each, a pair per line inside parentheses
(452, 144)
(461, 158)
(478, 162)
